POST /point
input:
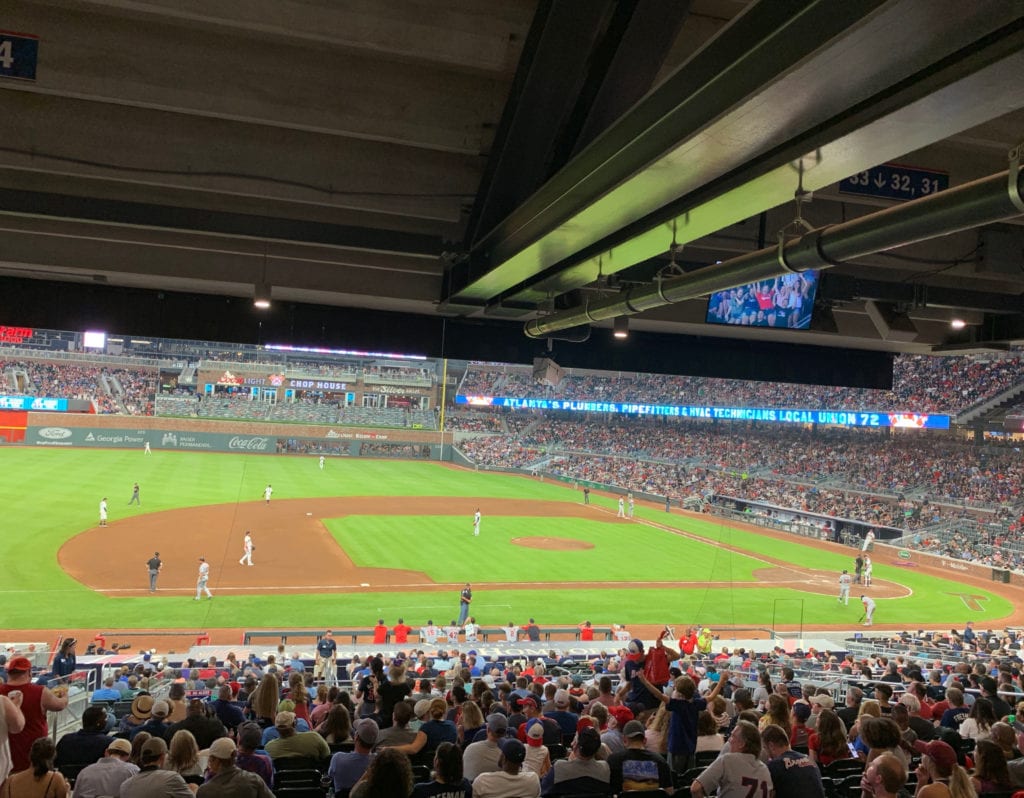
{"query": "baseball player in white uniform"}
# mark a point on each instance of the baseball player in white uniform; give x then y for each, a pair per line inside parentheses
(476, 523)
(103, 511)
(321, 462)
(622, 508)
(869, 609)
(247, 549)
(267, 493)
(204, 577)
(867, 570)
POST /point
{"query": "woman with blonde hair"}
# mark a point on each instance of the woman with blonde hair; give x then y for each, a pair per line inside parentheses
(868, 708)
(297, 693)
(470, 723)
(264, 700)
(939, 775)
(183, 755)
(656, 739)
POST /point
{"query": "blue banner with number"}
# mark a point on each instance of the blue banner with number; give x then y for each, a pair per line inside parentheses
(892, 181)
(18, 55)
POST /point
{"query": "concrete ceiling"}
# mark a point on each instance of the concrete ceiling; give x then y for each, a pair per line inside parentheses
(501, 160)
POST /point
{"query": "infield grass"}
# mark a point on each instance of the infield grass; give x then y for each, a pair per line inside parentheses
(52, 495)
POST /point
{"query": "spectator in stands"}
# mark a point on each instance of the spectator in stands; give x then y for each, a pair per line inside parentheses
(398, 733)
(552, 731)
(183, 755)
(470, 723)
(204, 728)
(390, 692)
(434, 731)
(89, 743)
(176, 701)
(978, 725)
(291, 743)
(36, 701)
(957, 712)
(989, 690)
(885, 777)
(990, 771)
(482, 757)
(138, 741)
(105, 776)
(108, 692)
(636, 768)
(227, 780)
(388, 775)
(684, 707)
(793, 774)
(152, 779)
(582, 773)
(263, 703)
(881, 735)
(510, 778)
(739, 772)
(449, 779)
(347, 767)
(939, 775)
(249, 735)
(157, 724)
(828, 741)
(337, 726)
(41, 779)
(226, 711)
(538, 756)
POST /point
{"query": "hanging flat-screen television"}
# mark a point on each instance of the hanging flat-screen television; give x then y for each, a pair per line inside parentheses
(785, 302)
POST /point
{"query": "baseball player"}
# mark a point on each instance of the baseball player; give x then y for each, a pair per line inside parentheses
(321, 462)
(103, 511)
(267, 493)
(247, 548)
(204, 577)
(622, 508)
(135, 495)
(845, 580)
(867, 570)
(476, 523)
(869, 610)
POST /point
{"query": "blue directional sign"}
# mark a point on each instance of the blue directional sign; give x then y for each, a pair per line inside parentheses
(18, 55)
(896, 182)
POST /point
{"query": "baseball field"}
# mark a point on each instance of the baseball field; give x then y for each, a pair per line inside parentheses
(363, 539)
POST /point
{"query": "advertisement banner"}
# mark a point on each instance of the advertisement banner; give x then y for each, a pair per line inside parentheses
(157, 439)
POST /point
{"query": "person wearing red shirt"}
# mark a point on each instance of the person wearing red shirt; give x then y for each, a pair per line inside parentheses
(36, 701)
(586, 631)
(400, 632)
(380, 632)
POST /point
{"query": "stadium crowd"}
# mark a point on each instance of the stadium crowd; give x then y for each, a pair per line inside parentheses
(675, 715)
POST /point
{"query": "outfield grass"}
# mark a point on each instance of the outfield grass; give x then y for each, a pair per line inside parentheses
(53, 495)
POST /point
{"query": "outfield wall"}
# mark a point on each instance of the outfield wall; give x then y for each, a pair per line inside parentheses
(60, 430)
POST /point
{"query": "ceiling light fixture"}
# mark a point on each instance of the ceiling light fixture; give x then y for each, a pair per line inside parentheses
(261, 296)
(957, 324)
(620, 327)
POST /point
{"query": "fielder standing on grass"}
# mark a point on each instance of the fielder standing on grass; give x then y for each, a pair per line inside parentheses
(321, 462)
(869, 610)
(845, 580)
(267, 493)
(103, 511)
(135, 496)
(476, 523)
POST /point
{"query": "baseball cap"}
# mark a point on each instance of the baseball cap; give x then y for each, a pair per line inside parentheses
(497, 723)
(562, 698)
(823, 701)
(535, 734)
(19, 664)
(801, 711)
(622, 714)
(366, 730)
(222, 748)
(634, 729)
(284, 720)
(942, 753)
(161, 709)
(422, 707)
(120, 745)
(153, 748)
(513, 750)
(529, 701)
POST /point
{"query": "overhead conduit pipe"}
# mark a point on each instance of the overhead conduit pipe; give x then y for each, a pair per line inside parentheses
(985, 201)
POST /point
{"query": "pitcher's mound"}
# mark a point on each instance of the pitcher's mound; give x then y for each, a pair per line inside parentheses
(553, 544)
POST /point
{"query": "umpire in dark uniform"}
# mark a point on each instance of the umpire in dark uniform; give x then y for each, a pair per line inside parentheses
(154, 565)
